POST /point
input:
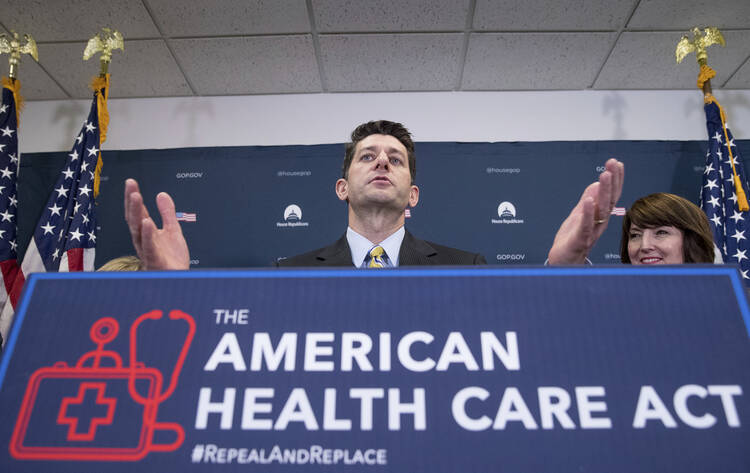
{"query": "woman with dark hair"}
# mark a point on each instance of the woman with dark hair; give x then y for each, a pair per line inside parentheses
(665, 229)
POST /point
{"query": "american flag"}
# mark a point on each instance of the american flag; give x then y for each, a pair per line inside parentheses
(719, 196)
(620, 211)
(65, 237)
(186, 217)
(8, 201)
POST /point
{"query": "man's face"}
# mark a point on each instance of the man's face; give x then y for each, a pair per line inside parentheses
(379, 175)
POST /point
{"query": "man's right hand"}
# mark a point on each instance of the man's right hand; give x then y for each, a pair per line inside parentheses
(158, 248)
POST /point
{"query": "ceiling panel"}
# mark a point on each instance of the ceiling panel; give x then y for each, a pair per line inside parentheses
(646, 60)
(230, 17)
(390, 62)
(523, 61)
(686, 14)
(541, 15)
(389, 15)
(144, 69)
(76, 20)
(250, 65)
(229, 47)
(741, 80)
(35, 83)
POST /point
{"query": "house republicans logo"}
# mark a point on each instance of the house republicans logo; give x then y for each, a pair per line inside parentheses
(292, 217)
(506, 212)
(293, 213)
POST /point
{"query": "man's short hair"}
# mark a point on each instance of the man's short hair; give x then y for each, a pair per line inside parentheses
(381, 127)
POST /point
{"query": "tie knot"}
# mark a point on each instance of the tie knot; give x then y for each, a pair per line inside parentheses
(377, 257)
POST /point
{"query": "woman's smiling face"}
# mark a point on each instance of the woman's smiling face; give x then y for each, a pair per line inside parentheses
(657, 245)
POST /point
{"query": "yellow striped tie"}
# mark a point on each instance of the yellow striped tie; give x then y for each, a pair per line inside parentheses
(377, 258)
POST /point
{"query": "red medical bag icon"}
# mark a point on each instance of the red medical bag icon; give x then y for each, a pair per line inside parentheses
(87, 411)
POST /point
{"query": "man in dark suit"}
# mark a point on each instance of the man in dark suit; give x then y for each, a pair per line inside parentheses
(377, 181)
(378, 184)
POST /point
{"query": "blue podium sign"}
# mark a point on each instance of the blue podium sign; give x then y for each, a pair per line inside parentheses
(408, 370)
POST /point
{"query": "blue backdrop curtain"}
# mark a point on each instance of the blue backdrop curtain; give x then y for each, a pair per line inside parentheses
(240, 195)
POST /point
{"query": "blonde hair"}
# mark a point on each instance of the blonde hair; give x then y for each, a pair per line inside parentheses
(123, 263)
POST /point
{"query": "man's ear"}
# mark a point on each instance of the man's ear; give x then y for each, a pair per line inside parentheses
(413, 196)
(342, 189)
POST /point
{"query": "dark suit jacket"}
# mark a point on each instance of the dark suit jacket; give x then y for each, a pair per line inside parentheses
(414, 252)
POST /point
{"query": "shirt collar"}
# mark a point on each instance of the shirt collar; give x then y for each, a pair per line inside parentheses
(360, 246)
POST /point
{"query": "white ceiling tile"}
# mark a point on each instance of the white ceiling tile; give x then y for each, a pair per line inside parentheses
(389, 62)
(686, 14)
(646, 60)
(77, 20)
(265, 46)
(254, 65)
(35, 83)
(230, 17)
(144, 69)
(741, 80)
(542, 15)
(389, 15)
(528, 61)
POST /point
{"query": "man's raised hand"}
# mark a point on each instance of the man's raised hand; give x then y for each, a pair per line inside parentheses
(589, 218)
(158, 248)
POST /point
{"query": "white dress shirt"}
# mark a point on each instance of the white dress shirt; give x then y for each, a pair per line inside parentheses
(361, 246)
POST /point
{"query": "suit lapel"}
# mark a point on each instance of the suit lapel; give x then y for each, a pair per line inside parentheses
(415, 252)
(337, 254)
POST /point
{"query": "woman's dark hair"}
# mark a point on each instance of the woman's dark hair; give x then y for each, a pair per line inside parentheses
(662, 209)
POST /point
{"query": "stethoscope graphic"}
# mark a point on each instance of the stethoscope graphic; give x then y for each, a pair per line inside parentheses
(100, 367)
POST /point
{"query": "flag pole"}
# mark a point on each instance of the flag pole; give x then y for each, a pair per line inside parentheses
(699, 44)
(723, 190)
(10, 115)
(106, 41)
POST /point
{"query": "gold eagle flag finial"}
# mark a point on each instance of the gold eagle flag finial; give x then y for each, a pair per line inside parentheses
(699, 44)
(106, 41)
(14, 47)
